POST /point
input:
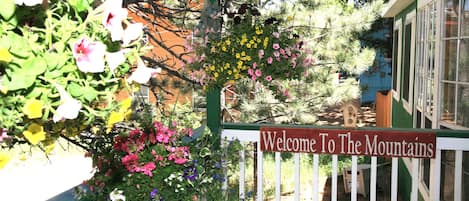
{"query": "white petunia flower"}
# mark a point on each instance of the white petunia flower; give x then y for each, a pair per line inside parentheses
(143, 74)
(69, 108)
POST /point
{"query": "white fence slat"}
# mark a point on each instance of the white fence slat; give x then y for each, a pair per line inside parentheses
(373, 174)
(395, 162)
(458, 176)
(315, 176)
(260, 172)
(297, 176)
(334, 178)
(415, 180)
(353, 195)
(436, 172)
(242, 167)
(278, 175)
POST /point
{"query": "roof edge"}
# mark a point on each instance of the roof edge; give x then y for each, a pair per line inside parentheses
(394, 7)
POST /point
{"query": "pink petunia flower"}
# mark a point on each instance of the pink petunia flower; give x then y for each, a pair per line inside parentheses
(282, 51)
(146, 169)
(276, 34)
(258, 73)
(3, 134)
(254, 65)
(69, 108)
(89, 55)
(113, 18)
(276, 46)
(261, 54)
(250, 71)
(269, 60)
(179, 155)
(276, 54)
(268, 78)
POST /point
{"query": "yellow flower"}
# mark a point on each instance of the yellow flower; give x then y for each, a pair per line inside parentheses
(248, 58)
(4, 159)
(5, 55)
(230, 72)
(115, 117)
(125, 104)
(35, 134)
(266, 42)
(243, 53)
(215, 75)
(228, 42)
(212, 68)
(248, 45)
(258, 30)
(49, 148)
(223, 48)
(23, 157)
(238, 55)
(3, 89)
(33, 108)
(290, 18)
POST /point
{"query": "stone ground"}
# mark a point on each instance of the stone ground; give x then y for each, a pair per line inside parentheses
(39, 179)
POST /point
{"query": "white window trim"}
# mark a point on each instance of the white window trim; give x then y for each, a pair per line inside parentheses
(142, 97)
(398, 27)
(411, 19)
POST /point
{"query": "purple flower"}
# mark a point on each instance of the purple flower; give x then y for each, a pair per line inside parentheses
(190, 173)
(153, 193)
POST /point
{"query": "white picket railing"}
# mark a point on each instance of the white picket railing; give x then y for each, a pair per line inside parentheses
(443, 143)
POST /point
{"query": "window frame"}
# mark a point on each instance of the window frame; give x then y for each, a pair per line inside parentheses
(410, 19)
(139, 95)
(396, 92)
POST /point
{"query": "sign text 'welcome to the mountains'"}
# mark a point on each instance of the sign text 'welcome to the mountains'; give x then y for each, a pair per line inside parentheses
(349, 142)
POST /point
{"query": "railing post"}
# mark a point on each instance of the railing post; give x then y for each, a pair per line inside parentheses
(214, 111)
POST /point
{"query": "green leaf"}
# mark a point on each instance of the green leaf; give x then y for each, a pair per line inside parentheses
(19, 79)
(80, 5)
(7, 9)
(36, 92)
(53, 74)
(90, 94)
(19, 45)
(35, 65)
(75, 89)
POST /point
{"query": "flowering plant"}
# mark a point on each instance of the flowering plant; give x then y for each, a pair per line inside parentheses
(170, 158)
(249, 47)
(61, 63)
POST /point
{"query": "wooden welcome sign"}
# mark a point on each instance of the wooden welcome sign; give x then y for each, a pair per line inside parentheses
(349, 142)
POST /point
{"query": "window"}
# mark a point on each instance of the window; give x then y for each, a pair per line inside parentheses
(396, 59)
(455, 72)
(408, 62)
(143, 94)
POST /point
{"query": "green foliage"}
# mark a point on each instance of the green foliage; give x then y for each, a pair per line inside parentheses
(198, 174)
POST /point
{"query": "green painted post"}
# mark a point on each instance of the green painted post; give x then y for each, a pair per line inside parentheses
(214, 111)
